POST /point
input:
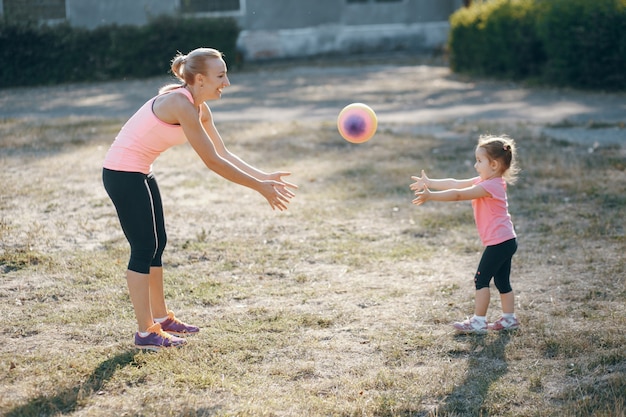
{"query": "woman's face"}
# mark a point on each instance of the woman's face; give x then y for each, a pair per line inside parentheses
(215, 79)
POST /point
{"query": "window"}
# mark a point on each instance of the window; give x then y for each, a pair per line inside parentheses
(48, 11)
(212, 7)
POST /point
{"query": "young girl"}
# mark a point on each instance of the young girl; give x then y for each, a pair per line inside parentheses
(178, 114)
(496, 165)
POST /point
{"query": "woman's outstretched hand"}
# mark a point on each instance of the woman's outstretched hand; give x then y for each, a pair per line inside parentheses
(278, 191)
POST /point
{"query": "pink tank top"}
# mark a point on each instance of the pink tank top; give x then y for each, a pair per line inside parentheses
(493, 220)
(143, 138)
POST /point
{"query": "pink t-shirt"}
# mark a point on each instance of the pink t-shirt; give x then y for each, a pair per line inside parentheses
(143, 138)
(491, 213)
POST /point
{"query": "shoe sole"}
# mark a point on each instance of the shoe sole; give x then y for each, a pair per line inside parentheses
(470, 331)
(505, 329)
(154, 348)
(149, 348)
(181, 334)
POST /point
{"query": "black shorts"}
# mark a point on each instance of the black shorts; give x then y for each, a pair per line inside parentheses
(138, 204)
(496, 263)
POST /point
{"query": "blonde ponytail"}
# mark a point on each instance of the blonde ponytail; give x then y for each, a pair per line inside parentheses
(185, 67)
(177, 63)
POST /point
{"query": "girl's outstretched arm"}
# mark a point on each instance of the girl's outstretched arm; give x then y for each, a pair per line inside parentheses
(453, 194)
(439, 184)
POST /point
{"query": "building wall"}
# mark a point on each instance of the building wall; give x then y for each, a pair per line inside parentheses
(93, 13)
(341, 39)
(291, 14)
(294, 28)
(288, 14)
(287, 28)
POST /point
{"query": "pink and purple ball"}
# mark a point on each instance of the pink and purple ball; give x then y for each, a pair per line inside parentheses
(357, 123)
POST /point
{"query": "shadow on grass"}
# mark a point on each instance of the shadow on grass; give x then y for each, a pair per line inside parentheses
(486, 364)
(67, 401)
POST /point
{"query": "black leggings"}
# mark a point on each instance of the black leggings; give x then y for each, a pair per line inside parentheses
(138, 203)
(496, 263)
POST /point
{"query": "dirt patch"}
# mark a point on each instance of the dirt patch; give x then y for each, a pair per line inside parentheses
(410, 92)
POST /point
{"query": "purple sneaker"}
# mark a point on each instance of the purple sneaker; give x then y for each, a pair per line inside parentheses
(157, 339)
(176, 327)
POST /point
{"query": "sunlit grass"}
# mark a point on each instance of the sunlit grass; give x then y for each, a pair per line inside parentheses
(341, 306)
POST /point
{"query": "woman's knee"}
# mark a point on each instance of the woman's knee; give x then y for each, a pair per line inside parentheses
(141, 259)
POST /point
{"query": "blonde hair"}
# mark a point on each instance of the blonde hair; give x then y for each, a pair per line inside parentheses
(501, 148)
(185, 67)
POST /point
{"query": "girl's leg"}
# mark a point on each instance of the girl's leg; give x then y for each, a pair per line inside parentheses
(482, 298)
(502, 277)
(486, 268)
(508, 302)
(495, 263)
(477, 323)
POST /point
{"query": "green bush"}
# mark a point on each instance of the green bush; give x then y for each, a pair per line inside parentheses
(585, 42)
(39, 55)
(496, 38)
(578, 43)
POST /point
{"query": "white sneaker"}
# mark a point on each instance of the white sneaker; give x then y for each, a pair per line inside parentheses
(504, 323)
(470, 326)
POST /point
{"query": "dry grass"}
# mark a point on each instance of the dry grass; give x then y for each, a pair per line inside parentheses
(339, 307)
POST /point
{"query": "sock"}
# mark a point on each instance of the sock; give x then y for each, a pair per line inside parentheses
(481, 319)
(161, 320)
(508, 315)
(143, 334)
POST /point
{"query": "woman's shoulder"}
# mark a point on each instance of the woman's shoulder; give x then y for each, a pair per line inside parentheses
(175, 90)
(169, 87)
(176, 97)
(174, 105)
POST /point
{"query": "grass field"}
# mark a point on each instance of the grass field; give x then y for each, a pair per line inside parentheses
(340, 306)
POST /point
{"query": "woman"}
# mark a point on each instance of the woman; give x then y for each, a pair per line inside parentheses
(178, 114)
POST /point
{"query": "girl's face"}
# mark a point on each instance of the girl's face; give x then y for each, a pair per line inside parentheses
(485, 167)
(216, 79)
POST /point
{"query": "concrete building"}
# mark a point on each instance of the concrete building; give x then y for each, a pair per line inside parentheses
(272, 28)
